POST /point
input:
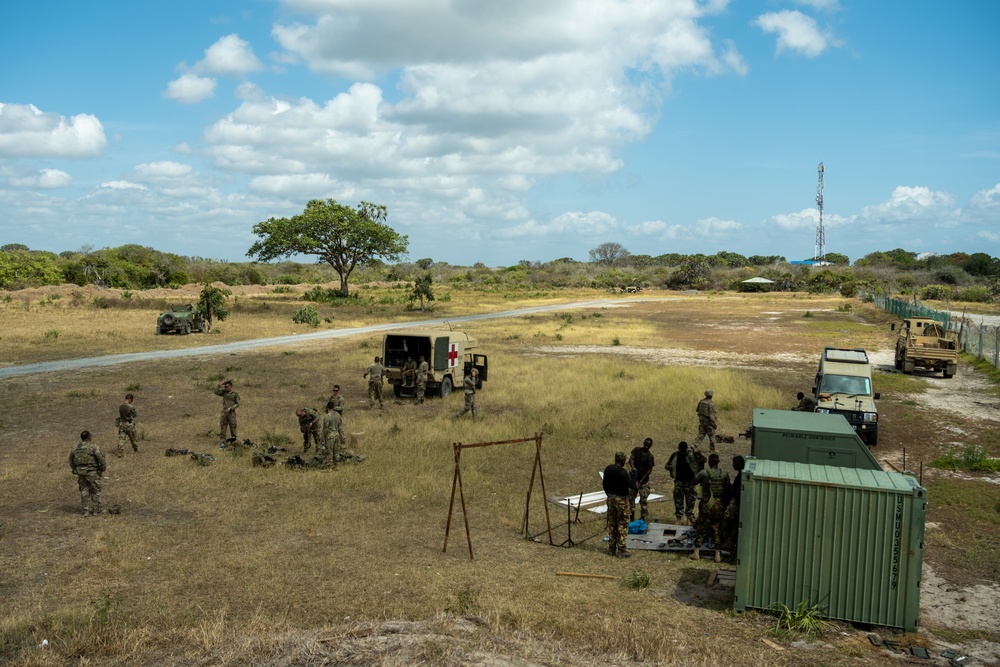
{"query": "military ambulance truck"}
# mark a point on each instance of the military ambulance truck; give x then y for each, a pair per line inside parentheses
(844, 387)
(448, 353)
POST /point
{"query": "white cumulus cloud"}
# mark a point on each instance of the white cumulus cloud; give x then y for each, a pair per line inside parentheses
(913, 204)
(190, 88)
(26, 131)
(229, 56)
(45, 179)
(796, 32)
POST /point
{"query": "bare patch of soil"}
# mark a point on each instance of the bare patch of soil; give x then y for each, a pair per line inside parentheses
(683, 357)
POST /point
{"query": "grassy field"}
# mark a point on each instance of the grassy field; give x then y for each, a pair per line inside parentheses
(229, 564)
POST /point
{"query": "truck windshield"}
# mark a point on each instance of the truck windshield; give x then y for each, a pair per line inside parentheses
(846, 384)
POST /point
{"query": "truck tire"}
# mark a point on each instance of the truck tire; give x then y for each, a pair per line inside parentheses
(397, 390)
(908, 366)
(444, 389)
(899, 361)
(873, 439)
(186, 329)
(168, 320)
(949, 371)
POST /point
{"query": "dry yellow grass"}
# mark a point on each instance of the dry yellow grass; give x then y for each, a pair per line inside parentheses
(229, 564)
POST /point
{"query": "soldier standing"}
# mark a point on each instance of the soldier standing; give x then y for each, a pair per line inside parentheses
(126, 425)
(230, 401)
(619, 487)
(333, 429)
(706, 421)
(338, 406)
(731, 517)
(714, 489)
(641, 462)
(309, 425)
(422, 370)
(470, 393)
(374, 374)
(88, 464)
(683, 467)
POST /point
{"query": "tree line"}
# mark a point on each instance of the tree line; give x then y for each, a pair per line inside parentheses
(357, 242)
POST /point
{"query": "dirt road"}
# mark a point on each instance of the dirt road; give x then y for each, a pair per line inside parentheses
(227, 348)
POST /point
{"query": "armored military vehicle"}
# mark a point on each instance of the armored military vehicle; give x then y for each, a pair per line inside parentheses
(924, 343)
(181, 319)
(844, 387)
(448, 353)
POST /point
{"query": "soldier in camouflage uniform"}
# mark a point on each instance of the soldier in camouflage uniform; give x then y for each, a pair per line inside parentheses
(731, 517)
(88, 464)
(338, 400)
(706, 421)
(230, 401)
(409, 372)
(333, 430)
(711, 508)
(683, 465)
(641, 462)
(470, 393)
(309, 425)
(126, 425)
(374, 374)
(620, 488)
(423, 368)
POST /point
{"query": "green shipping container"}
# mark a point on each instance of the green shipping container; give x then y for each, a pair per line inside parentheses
(847, 540)
(808, 437)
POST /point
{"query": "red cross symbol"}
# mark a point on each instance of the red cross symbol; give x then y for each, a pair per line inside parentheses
(453, 356)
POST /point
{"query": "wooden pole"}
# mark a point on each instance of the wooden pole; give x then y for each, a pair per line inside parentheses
(461, 493)
(451, 505)
(541, 477)
(584, 574)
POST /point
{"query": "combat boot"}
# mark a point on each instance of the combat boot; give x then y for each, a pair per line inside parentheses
(624, 553)
(696, 555)
(718, 556)
(679, 521)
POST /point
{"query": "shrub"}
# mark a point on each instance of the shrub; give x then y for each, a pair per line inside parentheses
(306, 315)
(974, 294)
(935, 293)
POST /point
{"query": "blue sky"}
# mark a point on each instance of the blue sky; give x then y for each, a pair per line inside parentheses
(496, 132)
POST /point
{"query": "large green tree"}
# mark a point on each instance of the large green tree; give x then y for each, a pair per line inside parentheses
(339, 235)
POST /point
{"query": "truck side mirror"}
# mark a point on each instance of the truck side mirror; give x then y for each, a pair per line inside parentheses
(878, 395)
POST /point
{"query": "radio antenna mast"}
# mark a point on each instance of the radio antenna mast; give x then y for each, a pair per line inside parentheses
(820, 255)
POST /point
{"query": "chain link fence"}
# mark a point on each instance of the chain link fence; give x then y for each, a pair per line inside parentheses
(980, 340)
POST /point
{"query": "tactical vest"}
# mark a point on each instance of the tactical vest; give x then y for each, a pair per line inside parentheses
(704, 408)
(84, 458)
(716, 482)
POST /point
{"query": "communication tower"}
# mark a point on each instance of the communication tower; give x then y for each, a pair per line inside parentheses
(820, 255)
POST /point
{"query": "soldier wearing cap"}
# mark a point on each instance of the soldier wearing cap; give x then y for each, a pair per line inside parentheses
(620, 489)
(230, 401)
(706, 421)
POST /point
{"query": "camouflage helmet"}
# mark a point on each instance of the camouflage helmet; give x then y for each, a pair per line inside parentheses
(620, 458)
(708, 393)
